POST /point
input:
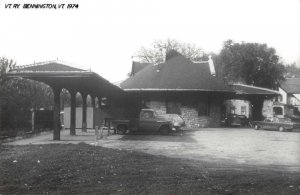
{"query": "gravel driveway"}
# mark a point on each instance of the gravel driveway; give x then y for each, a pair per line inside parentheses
(269, 149)
(227, 146)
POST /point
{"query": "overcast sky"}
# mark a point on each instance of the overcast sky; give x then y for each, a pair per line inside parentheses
(103, 35)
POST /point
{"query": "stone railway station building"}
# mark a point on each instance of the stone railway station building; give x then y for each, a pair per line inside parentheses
(190, 89)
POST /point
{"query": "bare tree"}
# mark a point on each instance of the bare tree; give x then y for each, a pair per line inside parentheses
(156, 53)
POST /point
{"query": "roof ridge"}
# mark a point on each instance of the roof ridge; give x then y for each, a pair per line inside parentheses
(52, 61)
(34, 64)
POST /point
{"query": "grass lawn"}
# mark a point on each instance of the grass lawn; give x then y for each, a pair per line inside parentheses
(78, 169)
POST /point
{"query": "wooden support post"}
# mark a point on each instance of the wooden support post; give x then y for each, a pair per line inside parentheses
(56, 113)
(98, 112)
(32, 120)
(84, 124)
(108, 128)
(97, 132)
(94, 110)
(73, 113)
(101, 131)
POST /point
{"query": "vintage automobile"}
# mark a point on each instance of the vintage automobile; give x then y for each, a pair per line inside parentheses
(275, 123)
(150, 121)
(235, 120)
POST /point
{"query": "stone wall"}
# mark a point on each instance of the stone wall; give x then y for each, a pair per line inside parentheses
(238, 104)
(190, 113)
(267, 110)
(159, 106)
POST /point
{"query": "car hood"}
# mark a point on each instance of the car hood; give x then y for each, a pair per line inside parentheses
(174, 118)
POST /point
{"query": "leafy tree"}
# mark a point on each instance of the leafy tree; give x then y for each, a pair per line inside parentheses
(250, 63)
(5, 65)
(156, 54)
(18, 96)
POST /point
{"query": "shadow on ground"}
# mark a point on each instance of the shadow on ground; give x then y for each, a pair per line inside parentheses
(185, 137)
(85, 169)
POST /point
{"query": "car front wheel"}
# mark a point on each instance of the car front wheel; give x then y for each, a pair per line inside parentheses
(164, 130)
(281, 129)
(121, 129)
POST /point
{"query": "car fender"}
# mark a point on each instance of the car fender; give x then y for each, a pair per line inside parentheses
(165, 124)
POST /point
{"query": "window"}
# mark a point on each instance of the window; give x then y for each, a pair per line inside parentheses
(278, 98)
(243, 110)
(277, 111)
(203, 109)
(232, 110)
(148, 114)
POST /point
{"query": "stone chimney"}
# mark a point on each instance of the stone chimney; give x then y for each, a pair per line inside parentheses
(211, 66)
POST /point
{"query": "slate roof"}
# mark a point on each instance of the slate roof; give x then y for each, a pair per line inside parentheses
(50, 66)
(137, 66)
(177, 74)
(291, 85)
(252, 90)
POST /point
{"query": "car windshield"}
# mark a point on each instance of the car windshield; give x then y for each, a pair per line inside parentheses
(155, 113)
(268, 120)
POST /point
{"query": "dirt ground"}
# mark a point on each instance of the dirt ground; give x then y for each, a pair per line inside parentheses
(207, 161)
(267, 149)
(278, 150)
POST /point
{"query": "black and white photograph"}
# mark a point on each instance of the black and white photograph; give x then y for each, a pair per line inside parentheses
(167, 97)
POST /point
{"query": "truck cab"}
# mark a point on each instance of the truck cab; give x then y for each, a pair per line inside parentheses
(149, 120)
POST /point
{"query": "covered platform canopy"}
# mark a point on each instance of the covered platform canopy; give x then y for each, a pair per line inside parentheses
(255, 95)
(59, 75)
(248, 90)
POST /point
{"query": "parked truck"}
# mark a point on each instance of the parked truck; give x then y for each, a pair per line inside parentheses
(150, 121)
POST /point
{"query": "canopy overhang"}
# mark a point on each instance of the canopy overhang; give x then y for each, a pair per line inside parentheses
(58, 76)
(82, 81)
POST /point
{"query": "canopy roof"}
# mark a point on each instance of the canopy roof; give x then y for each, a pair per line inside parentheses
(59, 74)
(252, 90)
